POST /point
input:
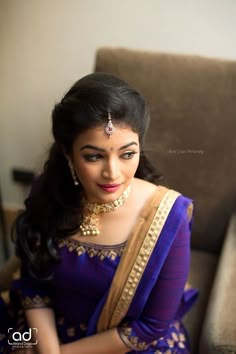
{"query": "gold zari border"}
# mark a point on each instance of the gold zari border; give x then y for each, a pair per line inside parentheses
(134, 261)
(36, 301)
(173, 339)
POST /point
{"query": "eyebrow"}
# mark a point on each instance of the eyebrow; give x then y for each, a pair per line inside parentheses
(92, 147)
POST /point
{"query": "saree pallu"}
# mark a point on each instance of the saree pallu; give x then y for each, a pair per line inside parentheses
(134, 292)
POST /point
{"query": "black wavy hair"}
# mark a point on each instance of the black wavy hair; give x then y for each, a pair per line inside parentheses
(53, 210)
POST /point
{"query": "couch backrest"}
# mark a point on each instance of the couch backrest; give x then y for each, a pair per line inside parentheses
(191, 139)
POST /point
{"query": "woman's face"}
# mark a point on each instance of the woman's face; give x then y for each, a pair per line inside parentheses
(105, 166)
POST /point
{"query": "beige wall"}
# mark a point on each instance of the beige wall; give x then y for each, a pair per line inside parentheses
(47, 44)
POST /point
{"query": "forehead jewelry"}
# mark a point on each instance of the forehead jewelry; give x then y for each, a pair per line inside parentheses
(90, 221)
(109, 129)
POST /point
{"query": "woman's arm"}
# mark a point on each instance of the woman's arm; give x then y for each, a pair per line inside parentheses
(108, 342)
(44, 321)
(38, 308)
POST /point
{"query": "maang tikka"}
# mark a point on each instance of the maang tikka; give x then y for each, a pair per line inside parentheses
(109, 129)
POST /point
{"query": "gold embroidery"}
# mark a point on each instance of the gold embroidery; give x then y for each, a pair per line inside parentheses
(36, 301)
(170, 342)
(83, 326)
(182, 337)
(181, 345)
(80, 250)
(132, 342)
(176, 324)
(91, 253)
(190, 212)
(92, 250)
(174, 336)
(127, 330)
(173, 340)
(71, 332)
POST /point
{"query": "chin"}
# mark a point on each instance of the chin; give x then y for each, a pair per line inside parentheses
(103, 197)
(109, 197)
(99, 195)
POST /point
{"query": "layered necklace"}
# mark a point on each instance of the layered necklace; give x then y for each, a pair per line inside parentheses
(90, 222)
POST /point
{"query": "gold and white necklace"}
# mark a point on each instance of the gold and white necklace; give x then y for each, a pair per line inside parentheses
(90, 222)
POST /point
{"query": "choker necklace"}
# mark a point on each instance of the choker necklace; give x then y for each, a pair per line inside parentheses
(90, 222)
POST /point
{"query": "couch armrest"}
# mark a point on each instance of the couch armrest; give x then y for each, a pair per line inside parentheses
(219, 329)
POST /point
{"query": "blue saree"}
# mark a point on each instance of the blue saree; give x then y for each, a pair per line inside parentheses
(137, 286)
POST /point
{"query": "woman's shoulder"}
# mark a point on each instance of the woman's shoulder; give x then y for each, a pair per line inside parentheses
(146, 190)
(148, 187)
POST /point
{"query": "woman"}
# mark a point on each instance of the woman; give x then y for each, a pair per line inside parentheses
(105, 249)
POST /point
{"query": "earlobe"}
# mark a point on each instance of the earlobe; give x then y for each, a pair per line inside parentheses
(64, 152)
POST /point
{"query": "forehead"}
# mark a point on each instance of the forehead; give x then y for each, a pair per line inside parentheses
(97, 136)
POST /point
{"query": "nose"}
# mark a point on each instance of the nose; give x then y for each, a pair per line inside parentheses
(111, 169)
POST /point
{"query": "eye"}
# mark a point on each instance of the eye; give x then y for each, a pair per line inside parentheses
(93, 157)
(128, 155)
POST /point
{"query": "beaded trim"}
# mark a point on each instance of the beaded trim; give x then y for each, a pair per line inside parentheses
(36, 301)
(132, 342)
(92, 250)
(174, 339)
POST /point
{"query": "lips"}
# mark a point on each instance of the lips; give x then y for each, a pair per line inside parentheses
(110, 188)
(110, 185)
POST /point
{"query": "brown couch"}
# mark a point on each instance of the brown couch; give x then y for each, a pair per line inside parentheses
(191, 141)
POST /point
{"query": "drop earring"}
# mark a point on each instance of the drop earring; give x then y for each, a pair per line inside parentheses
(73, 174)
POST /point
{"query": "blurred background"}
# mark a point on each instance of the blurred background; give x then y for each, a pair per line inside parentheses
(47, 45)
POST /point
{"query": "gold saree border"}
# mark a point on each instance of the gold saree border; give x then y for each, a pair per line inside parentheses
(135, 259)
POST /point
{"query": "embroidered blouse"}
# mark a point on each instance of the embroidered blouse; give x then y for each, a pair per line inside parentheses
(85, 274)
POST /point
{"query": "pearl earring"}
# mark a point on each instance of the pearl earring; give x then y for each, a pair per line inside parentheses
(73, 174)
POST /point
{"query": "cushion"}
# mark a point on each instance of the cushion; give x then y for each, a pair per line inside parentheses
(203, 266)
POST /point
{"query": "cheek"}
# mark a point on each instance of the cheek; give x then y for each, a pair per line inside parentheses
(85, 171)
